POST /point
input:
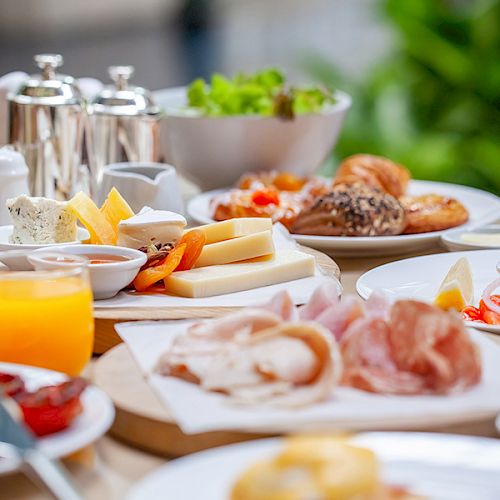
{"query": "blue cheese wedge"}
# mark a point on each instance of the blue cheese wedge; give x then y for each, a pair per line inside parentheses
(150, 227)
(39, 220)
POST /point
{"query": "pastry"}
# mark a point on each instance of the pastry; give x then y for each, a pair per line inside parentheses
(259, 200)
(352, 210)
(432, 212)
(375, 171)
(317, 467)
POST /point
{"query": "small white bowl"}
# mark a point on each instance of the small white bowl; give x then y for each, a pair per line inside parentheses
(453, 241)
(5, 244)
(106, 279)
(214, 152)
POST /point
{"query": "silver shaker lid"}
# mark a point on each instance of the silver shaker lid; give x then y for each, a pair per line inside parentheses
(122, 99)
(48, 88)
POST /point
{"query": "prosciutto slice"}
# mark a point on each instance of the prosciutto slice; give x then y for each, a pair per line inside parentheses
(419, 349)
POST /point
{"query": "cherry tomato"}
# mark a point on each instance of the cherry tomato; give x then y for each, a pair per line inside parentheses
(265, 197)
(471, 313)
(52, 408)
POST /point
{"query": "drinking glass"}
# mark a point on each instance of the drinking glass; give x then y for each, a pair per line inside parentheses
(46, 318)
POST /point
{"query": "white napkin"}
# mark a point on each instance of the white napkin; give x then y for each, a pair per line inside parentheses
(300, 290)
(196, 410)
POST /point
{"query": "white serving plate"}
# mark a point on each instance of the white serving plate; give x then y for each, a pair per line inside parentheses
(436, 466)
(97, 416)
(6, 231)
(453, 241)
(420, 277)
(483, 208)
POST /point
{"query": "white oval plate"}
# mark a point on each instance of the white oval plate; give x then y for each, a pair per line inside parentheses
(483, 208)
(6, 231)
(420, 277)
(97, 416)
(437, 466)
(453, 241)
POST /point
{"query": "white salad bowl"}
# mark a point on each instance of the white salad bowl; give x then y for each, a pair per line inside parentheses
(214, 152)
(106, 279)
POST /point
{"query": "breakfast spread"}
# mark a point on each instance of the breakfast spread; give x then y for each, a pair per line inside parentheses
(41, 220)
(48, 409)
(367, 197)
(408, 348)
(325, 467)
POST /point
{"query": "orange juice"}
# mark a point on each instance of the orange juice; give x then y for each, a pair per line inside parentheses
(46, 319)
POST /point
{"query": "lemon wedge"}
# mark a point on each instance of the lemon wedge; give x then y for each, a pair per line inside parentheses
(457, 290)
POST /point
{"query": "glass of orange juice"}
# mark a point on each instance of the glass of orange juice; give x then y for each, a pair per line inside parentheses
(46, 318)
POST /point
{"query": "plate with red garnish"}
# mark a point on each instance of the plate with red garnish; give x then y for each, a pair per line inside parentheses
(420, 278)
(65, 414)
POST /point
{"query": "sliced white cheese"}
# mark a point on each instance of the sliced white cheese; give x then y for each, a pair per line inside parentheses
(234, 228)
(246, 247)
(40, 220)
(150, 227)
(228, 278)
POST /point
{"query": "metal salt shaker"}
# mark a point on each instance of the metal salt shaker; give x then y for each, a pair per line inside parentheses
(46, 125)
(124, 124)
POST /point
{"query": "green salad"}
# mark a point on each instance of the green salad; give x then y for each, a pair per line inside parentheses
(264, 93)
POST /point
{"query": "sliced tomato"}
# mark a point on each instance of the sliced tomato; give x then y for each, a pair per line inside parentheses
(52, 408)
(471, 313)
(266, 197)
(490, 317)
(194, 241)
(151, 275)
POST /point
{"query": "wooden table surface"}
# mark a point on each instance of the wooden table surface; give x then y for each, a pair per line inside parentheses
(109, 468)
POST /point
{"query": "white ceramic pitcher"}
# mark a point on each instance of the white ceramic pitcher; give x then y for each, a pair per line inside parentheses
(143, 184)
(13, 180)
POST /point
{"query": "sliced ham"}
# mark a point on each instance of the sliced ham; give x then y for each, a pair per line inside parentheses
(254, 356)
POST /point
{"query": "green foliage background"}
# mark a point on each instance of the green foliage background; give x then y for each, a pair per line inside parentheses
(434, 103)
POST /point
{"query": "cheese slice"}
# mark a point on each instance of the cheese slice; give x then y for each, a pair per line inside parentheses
(286, 265)
(234, 228)
(246, 247)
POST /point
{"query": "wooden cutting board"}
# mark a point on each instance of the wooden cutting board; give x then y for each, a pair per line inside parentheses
(143, 421)
(106, 337)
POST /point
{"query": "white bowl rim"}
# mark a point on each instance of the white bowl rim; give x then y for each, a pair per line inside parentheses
(137, 258)
(343, 103)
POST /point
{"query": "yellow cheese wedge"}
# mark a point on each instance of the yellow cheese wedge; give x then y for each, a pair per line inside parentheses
(234, 228)
(246, 247)
(228, 278)
(101, 231)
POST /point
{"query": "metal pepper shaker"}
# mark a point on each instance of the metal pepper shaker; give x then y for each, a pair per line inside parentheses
(46, 125)
(124, 124)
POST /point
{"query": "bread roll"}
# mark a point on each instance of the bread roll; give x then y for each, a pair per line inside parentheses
(375, 171)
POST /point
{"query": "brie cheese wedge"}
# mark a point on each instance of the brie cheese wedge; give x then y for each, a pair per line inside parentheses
(150, 227)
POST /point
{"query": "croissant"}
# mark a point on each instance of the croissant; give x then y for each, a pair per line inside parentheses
(375, 171)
